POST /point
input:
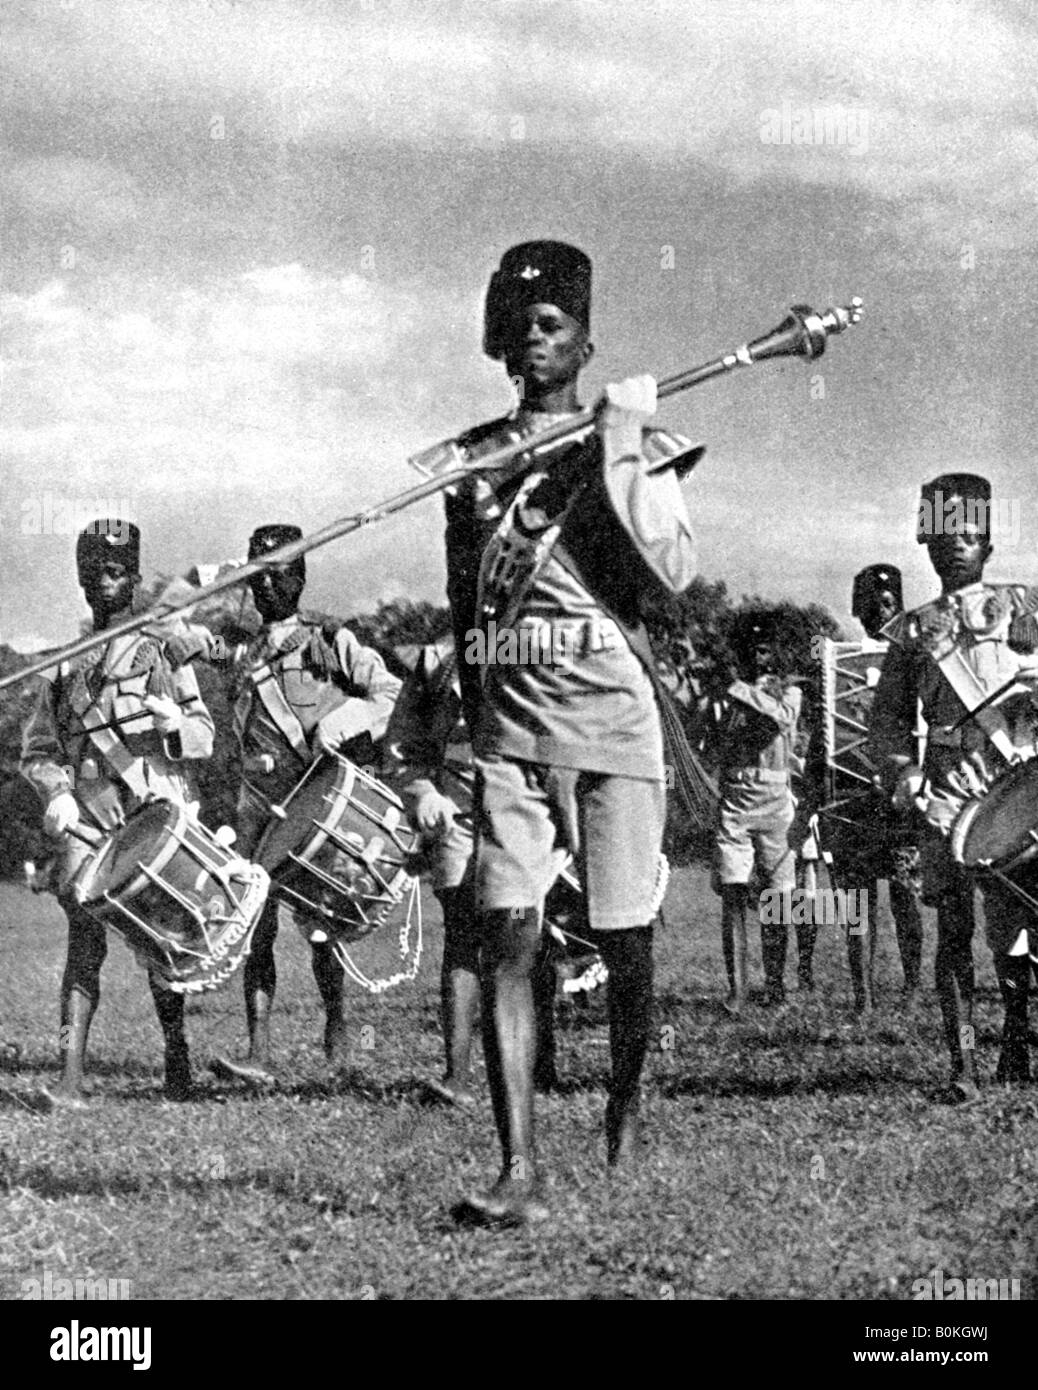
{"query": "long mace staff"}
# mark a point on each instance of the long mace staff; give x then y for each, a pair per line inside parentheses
(802, 334)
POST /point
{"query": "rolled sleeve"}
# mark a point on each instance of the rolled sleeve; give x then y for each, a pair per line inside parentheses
(373, 691)
(650, 504)
(197, 732)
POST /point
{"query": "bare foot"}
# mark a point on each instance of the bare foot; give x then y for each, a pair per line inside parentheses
(336, 1043)
(625, 1145)
(66, 1095)
(733, 1005)
(510, 1202)
(252, 1073)
(963, 1090)
(453, 1092)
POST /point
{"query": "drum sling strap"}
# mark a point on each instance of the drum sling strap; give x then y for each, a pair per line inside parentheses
(272, 697)
(127, 768)
(963, 681)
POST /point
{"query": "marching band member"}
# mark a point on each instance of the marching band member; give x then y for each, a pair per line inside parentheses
(301, 689)
(109, 731)
(891, 851)
(568, 745)
(951, 654)
(756, 810)
(428, 747)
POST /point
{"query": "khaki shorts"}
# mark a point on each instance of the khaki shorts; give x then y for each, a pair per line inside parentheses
(753, 831)
(531, 816)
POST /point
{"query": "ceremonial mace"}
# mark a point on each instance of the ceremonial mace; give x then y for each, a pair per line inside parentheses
(802, 334)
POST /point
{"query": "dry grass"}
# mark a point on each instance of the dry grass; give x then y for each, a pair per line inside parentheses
(793, 1155)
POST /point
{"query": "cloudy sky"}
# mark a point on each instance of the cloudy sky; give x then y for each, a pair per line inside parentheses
(246, 241)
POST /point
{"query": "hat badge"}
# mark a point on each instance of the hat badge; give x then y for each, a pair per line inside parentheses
(529, 272)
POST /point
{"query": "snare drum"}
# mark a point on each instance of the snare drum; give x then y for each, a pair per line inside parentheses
(184, 904)
(999, 830)
(344, 859)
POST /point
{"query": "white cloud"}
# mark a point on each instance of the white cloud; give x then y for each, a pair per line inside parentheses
(945, 85)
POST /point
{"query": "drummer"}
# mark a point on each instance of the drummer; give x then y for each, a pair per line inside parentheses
(301, 688)
(107, 732)
(969, 640)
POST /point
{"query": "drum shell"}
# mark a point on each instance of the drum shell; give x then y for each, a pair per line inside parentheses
(344, 858)
(178, 912)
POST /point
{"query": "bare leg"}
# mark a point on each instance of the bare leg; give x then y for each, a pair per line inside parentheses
(459, 991)
(773, 943)
(260, 980)
(170, 1009)
(545, 1077)
(908, 928)
(1014, 979)
(628, 958)
(807, 935)
(509, 947)
(330, 984)
(733, 944)
(953, 970)
(861, 953)
(80, 993)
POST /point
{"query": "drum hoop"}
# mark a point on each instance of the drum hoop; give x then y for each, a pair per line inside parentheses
(960, 828)
(963, 822)
(223, 966)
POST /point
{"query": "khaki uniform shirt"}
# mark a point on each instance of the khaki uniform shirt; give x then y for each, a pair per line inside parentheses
(974, 622)
(355, 696)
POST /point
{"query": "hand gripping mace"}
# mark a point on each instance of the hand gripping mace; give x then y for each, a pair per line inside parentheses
(802, 334)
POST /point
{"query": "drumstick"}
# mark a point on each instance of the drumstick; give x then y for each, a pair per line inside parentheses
(281, 810)
(988, 700)
(125, 719)
(88, 839)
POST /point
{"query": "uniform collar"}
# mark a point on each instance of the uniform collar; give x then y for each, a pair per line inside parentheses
(280, 633)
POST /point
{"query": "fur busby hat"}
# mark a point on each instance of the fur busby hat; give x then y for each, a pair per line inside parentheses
(536, 272)
(271, 537)
(873, 580)
(950, 501)
(108, 539)
(751, 627)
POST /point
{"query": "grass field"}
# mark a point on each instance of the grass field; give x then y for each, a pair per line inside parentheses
(793, 1155)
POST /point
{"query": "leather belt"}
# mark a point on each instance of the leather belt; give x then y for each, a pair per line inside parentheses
(764, 775)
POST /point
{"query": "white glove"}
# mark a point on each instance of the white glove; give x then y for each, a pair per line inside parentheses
(61, 814)
(941, 810)
(433, 814)
(166, 713)
(326, 738)
(909, 785)
(623, 410)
